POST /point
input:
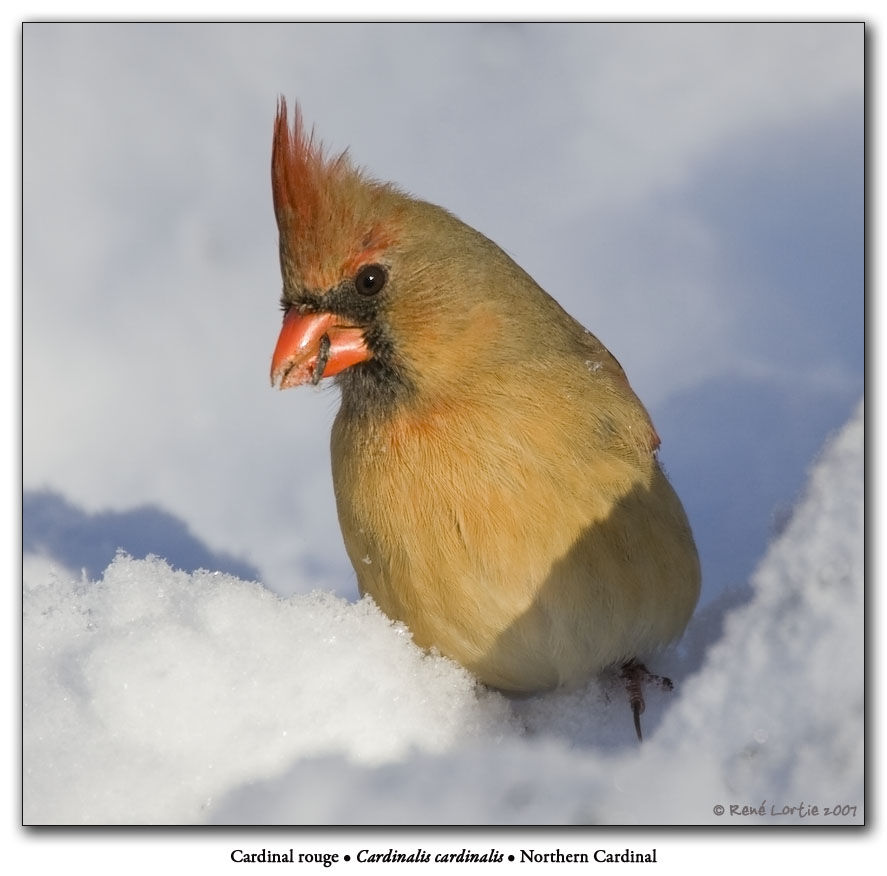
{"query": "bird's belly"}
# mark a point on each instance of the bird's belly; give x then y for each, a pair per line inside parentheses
(546, 606)
(531, 562)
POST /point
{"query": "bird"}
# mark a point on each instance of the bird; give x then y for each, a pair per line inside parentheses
(497, 481)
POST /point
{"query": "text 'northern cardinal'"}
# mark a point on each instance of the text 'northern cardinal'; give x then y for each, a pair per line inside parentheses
(496, 477)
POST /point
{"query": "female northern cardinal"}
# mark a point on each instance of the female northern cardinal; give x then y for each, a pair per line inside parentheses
(496, 477)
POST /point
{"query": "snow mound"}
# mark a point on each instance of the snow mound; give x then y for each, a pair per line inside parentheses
(157, 696)
(151, 691)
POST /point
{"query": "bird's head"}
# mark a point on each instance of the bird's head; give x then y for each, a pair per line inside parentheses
(386, 291)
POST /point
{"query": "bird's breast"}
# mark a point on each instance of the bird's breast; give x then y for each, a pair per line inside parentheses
(495, 540)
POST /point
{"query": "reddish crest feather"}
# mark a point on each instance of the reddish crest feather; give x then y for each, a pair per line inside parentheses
(331, 218)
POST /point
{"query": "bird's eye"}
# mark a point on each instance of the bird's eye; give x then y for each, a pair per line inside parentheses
(370, 279)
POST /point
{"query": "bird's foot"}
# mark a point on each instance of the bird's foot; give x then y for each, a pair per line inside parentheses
(635, 675)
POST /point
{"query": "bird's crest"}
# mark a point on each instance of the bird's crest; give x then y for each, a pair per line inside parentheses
(331, 217)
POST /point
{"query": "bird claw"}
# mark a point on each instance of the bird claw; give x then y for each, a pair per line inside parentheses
(634, 675)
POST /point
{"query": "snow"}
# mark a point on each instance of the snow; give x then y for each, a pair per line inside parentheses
(158, 696)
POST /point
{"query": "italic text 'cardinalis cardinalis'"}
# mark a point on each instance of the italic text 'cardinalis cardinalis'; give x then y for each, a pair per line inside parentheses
(496, 477)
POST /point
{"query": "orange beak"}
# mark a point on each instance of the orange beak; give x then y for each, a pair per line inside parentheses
(315, 345)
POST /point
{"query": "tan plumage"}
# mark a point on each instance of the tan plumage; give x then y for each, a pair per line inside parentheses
(496, 477)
